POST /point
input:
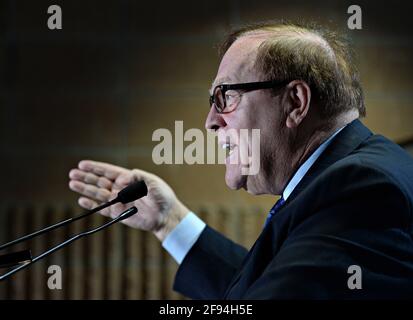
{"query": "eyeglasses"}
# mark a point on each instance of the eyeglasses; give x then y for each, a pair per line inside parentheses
(226, 97)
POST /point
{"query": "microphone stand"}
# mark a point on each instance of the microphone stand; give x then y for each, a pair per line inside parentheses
(56, 225)
(23, 254)
(132, 192)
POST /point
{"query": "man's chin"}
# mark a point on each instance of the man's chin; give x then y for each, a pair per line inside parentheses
(235, 180)
(238, 181)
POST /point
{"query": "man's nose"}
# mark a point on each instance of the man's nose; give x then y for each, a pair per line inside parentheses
(214, 120)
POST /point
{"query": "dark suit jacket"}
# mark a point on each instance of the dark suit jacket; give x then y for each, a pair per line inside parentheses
(353, 207)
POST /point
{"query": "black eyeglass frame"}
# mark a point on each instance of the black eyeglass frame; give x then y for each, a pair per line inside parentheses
(247, 86)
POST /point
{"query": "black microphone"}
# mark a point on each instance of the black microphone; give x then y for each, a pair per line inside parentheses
(124, 215)
(132, 192)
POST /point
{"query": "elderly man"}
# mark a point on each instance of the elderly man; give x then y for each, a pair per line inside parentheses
(346, 194)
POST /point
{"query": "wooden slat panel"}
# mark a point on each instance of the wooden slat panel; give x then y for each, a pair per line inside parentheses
(19, 278)
(106, 254)
(144, 266)
(97, 263)
(76, 254)
(84, 262)
(48, 239)
(67, 263)
(153, 262)
(163, 270)
(124, 263)
(3, 239)
(134, 265)
(225, 219)
(39, 278)
(212, 217)
(11, 212)
(115, 257)
(57, 258)
(28, 216)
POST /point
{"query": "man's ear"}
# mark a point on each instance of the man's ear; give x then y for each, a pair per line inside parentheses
(299, 96)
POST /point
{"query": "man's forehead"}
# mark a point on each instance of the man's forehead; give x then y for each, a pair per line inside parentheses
(241, 53)
(238, 61)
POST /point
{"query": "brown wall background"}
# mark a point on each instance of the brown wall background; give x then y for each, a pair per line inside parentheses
(120, 70)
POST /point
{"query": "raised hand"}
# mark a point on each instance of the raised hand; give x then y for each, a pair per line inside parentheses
(98, 182)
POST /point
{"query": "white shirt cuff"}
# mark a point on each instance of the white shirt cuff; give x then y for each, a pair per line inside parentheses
(181, 239)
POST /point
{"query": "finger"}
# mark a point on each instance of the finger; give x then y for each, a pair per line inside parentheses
(90, 178)
(90, 191)
(137, 175)
(123, 180)
(90, 204)
(75, 186)
(101, 169)
(87, 203)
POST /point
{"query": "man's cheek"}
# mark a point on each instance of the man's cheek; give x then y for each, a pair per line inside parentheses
(250, 152)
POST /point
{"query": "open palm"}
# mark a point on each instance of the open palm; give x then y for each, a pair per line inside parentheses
(99, 182)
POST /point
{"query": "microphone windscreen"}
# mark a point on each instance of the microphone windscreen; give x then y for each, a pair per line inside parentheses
(128, 213)
(133, 192)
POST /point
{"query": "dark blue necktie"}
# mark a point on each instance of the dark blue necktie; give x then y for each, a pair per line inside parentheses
(280, 202)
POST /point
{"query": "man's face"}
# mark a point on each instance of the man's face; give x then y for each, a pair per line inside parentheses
(257, 109)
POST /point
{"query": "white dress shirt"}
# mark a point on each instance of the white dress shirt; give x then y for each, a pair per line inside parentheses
(181, 239)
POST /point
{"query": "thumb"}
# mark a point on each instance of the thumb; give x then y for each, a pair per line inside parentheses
(147, 177)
